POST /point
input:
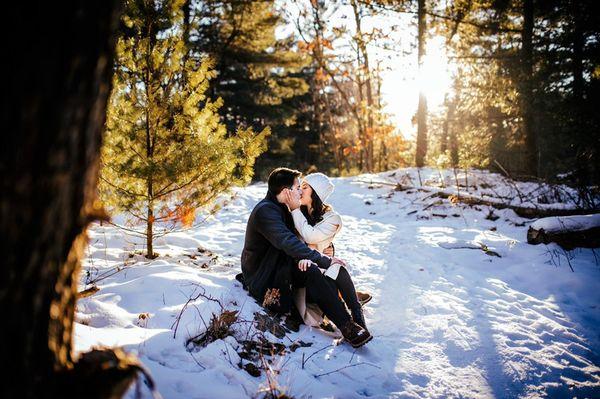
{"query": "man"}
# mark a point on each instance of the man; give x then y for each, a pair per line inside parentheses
(271, 254)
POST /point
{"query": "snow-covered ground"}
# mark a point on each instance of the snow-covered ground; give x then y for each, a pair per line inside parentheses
(463, 306)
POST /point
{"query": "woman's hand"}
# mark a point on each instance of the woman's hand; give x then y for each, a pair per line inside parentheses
(304, 264)
(291, 200)
(340, 262)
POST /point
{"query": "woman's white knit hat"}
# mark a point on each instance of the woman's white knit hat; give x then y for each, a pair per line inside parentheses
(321, 184)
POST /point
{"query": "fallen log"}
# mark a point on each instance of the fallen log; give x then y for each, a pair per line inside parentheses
(522, 211)
(88, 292)
(569, 232)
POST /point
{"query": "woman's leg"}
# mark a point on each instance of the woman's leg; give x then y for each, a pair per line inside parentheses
(323, 291)
(346, 287)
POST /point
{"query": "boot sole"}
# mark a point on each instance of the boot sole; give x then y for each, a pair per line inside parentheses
(361, 343)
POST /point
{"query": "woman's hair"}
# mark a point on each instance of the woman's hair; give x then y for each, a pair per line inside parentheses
(319, 209)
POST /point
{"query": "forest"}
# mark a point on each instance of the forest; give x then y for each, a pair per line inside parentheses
(517, 92)
(156, 123)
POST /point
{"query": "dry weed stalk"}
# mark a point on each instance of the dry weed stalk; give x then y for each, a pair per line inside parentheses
(272, 297)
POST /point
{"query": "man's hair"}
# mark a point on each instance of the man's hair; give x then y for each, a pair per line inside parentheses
(281, 178)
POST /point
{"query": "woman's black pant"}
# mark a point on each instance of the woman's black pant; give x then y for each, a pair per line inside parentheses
(323, 291)
(345, 285)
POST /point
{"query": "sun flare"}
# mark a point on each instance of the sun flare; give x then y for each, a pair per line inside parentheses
(403, 84)
(435, 78)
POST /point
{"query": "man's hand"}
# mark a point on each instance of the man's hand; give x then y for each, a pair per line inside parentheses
(328, 251)
(304, 264)
(291, 200)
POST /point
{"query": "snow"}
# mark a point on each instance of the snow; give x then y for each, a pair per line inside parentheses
(462, 307)
(567, 223)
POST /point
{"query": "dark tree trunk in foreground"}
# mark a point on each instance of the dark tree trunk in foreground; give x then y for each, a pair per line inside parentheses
(59, 61)
(421, 150)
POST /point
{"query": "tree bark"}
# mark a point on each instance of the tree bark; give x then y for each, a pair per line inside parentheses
(578, 43)
(149, 190)
(458, 125)
(529, 131)
(149, 84)
(454, 158)
(150, 226)
(362, 46)
(448, 125)
(421, 150)
(60, 68)
(187, 8)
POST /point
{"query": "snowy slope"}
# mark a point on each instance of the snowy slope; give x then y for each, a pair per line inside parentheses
(463, 306)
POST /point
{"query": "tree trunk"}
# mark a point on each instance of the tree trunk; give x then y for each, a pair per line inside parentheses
(363, 64)
(187, 8)
(362, 46)
(319, 94)
(444, 138)
(458, 125)
(578, 42)
(150, 202)
(150, 73)
(150, 226)
(448, 126)
(60, 68)
(529, 131)
(421, 150)
(454, 159)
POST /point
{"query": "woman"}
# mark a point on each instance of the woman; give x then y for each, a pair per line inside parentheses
(317, 224)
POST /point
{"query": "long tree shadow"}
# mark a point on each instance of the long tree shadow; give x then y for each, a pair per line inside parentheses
(541, 352)
(450, 324)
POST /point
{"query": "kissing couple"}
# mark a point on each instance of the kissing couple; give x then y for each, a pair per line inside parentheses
(288, 260)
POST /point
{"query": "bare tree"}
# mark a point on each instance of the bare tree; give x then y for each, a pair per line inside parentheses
(363, 66)
(421, 150)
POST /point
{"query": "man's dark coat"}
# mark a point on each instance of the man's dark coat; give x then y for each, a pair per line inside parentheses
(272, 250)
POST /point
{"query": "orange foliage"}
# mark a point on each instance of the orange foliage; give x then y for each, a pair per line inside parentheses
(186, 215)
(326, 43)
(320, 75)
(183, 214)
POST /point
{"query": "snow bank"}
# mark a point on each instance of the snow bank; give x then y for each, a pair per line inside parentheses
(567, 223)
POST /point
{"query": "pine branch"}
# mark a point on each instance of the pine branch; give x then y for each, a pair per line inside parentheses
(121, 189)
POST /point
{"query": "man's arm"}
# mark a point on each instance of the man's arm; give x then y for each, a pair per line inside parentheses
(270, 224)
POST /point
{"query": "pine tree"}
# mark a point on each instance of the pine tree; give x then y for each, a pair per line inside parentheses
(259, 75)
(166, 152)
(529, 89)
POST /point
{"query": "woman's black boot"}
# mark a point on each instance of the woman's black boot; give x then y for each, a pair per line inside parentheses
(359, 318)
